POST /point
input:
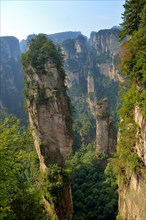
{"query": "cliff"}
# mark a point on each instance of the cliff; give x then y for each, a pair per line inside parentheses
(132, 196)
(132, 134)
(75, 52)
(11, 77)
(107, 47)
(49, 113)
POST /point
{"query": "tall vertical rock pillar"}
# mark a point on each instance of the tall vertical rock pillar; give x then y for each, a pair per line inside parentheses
(102, 127)
(105, 133)
(49, 112)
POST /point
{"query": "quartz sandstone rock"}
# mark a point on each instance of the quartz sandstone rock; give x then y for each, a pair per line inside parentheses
(91, 99)
(11, 77)
(48, 111)
(105, 136)
(132, 197)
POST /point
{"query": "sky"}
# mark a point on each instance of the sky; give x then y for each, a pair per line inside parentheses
(20, 18)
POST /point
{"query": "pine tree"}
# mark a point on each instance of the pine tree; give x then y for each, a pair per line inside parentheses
(131, 17)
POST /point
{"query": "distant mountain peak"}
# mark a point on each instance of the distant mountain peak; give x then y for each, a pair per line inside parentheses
(117, 27)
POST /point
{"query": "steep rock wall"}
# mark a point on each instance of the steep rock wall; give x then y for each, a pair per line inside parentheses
(75, 52)
(132, 196)
(11, 77)
(107, 47)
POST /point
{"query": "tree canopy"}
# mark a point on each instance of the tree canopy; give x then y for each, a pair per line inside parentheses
(20, 195)
(131, 17)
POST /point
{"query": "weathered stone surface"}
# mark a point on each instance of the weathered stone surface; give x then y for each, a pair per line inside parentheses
(11, 77)
(91, 98)
(105, 134)
(132, 197)
(48, 111)
(141, 135)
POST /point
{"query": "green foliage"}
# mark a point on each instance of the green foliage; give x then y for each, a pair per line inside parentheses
(41, 50)
(133, 58)
(131, 17)
(84, 123)
(20, 196)
(94, 185)
(109, 89)
(55, 181)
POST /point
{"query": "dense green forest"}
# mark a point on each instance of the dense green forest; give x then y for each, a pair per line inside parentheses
(94, 185)
(20, 186)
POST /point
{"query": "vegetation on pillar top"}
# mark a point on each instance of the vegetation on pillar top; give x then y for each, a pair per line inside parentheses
(131, 17)
(40, 52)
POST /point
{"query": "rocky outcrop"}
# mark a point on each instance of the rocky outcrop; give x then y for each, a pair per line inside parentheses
(132, 195)
(11, 77)
(105, 134)
(49, 117)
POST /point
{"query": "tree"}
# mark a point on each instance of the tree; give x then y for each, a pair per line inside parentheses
(131, 17)
(20, 196)
(133, 65)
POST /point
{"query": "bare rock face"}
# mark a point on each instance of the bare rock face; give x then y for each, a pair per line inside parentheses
(75, 52)
(105, 136)
(141, 135)
(48, 109)
(107, 48)
(132, 197)
(11, 77)
(47, 114)
(91, 98)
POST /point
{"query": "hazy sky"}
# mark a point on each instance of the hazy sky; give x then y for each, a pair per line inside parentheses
(20, 18)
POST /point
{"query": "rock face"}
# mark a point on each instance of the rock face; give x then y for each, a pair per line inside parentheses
(11, 77)
(106, 47)
(91, 98)
(48, 109)
(141, 135)
(105, 136)
(132, 197)
(47, 115)
(75, 52)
